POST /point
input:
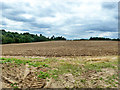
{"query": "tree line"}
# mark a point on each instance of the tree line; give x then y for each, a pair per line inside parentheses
(99, 38)
(14, 37)
(102, 38)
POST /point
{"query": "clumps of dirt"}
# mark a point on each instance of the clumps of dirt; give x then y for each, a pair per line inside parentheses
(13, 72)
(68, 80)
(65, 81)
(32, 81)
(104, 78)
(21, 76)
(87, 79)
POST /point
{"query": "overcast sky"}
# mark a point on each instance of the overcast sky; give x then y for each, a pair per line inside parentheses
(72, 19)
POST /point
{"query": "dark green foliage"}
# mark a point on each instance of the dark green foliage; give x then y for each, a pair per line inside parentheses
(102, 38)
(43, 75)
(97, 39)
(14, 37)
(57, 38)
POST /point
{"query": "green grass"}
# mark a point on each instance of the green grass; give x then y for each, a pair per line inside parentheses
(100, 65)
(66, 68)
(83, 80)
(49, 60)
(14, 85)
(19, 61)
(43, 75)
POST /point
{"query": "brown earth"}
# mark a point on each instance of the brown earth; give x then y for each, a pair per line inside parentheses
(62, 48)
(21, 76)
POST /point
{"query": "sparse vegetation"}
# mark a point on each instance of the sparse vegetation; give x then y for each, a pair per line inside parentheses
(82, 71)
(14, 85)
(43, 75)
(74, 66)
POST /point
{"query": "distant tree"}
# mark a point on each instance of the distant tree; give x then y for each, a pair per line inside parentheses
(9, 35)
(99, 38)
(40, 35)
(53, 37)
(59, 38)
(16, 40)
(27, 33)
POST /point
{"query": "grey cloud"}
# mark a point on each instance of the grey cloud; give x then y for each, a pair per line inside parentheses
(4, 23)
(4, 6)
(25, 30)
(50, 11)
(45, 12)
(14, 12)
(106, 27)
(39, 25)
(15, 15)
(109, 5)
(18, 18)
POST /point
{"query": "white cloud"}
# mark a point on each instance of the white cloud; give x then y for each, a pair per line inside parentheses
(71, 18)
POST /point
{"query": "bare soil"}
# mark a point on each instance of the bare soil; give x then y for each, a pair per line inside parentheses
(62, 48)
(21, 76)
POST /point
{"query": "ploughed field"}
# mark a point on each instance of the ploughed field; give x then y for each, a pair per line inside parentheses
(62, 48)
